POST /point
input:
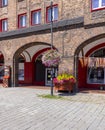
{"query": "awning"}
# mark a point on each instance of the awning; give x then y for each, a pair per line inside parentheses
(96, 62)
(92, 61)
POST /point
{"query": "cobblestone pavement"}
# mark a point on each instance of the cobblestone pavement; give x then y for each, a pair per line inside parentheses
(22, 109)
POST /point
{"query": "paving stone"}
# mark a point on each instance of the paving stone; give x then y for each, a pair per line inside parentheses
(22, 109)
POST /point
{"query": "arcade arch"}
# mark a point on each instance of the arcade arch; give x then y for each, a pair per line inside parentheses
(31, 71)
(89, 49)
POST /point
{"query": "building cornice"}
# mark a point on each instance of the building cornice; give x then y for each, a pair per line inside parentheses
(100, 24)
(42, 29)
(46, 28)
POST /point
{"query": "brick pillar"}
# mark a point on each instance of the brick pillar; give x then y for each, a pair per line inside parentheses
(9, 62)
(13, 63)
(15, 73)
(67, 64)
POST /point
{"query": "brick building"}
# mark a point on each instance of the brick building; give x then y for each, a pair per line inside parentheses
(78, 34)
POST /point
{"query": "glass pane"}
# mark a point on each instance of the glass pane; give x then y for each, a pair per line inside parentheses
(20, 21)
(99, 53)
(21, 71)
(36, 17)
(23, 21)
(103, 2)
(39, 17)
(55, 13)
(95, 4)
(96, 75)
(4, 25)
(4, 2)
(1, 72)
(49, 15)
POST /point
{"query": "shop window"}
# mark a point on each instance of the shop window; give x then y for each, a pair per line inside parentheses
(98, 4)
(96, 67)
(22, 20)
(4, 25)
(54, 13)
(96, 75)
(36, 17)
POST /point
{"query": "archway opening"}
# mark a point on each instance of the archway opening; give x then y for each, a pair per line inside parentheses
(39, 71)
(91, 68)
(28, 67)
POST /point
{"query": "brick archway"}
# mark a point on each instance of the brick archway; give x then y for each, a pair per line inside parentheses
(79, 49)
(28, 64)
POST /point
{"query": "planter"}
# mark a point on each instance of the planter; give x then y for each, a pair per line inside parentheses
(64, 87)
(51, 58)
(64, 81)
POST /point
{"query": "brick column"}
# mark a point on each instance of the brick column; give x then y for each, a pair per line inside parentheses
(15, 73)
(13, 63)
(67, 64)
(9, 62)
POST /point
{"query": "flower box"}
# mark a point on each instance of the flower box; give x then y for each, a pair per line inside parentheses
(64, 87)
(64, 81)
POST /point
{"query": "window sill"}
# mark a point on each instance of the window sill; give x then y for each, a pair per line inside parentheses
(97, 9)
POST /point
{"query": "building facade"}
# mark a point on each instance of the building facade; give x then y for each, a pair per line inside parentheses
(78, 34)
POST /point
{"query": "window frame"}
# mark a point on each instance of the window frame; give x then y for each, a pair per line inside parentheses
(20, 15)
(55, 5)
(33, 11)
(1, 23)
(98, 8)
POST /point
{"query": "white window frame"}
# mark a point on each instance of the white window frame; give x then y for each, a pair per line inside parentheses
(99, 5)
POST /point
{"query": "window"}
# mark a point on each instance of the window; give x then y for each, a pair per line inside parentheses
(22, 20)
(97, 4)
(36, 17)
(96, 68)
(3, 3)
(4, 25)
(96, 75)
(54, 13)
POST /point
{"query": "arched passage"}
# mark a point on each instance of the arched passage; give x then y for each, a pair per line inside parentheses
(39, 69)
(32, 69)
(82, 55)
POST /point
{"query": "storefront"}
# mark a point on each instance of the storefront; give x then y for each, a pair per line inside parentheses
(92, 70)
